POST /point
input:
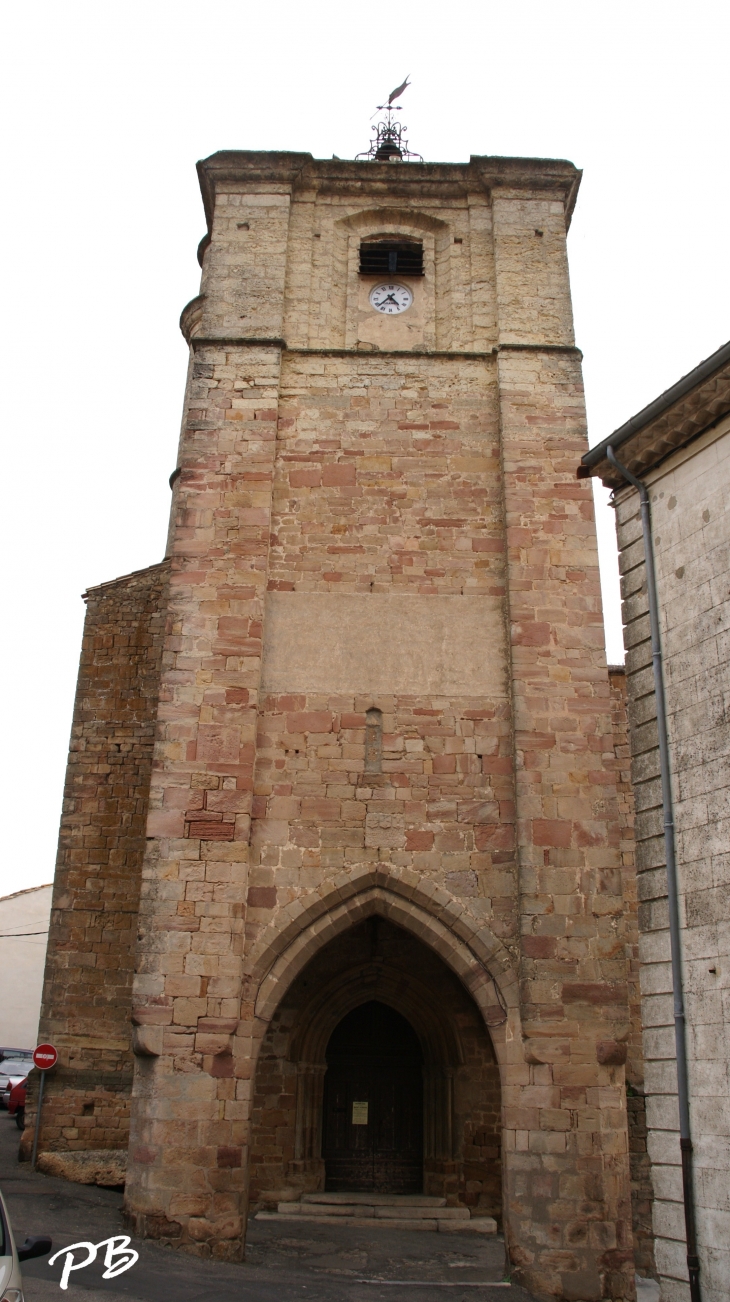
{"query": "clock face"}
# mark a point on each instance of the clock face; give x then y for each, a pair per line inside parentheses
(391, 299)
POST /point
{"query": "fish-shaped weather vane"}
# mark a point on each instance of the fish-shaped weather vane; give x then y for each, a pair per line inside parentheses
(396, 94)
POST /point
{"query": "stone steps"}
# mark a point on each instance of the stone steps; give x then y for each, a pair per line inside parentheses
(381, 1211)
(473, 1225)
(378, 1212)
(373, 1200)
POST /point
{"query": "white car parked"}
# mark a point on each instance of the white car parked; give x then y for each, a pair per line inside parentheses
(11, 1282)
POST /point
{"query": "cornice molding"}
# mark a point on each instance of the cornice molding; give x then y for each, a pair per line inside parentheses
(286, 172)
(250, 341)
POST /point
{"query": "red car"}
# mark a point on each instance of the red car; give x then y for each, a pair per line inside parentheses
(16, 1103)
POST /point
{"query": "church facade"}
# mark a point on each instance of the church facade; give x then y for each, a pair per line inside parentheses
(345, 893)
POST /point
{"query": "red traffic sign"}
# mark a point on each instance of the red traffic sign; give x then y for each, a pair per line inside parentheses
(45, 1057)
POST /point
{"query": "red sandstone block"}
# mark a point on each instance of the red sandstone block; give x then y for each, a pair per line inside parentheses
(309, 721)
(496, 764)
(224, 1025)
(594, 992)
(305, 478)
(539, 946)
(212, 831)
(585, 837)
(444, 763)
(402, 779)
(416, 840)
(233, 626)
(551, 832)
(528, 633)
(341, 472)
(228, 1156)
(221, 1066)
(261, 897)
(253, 515)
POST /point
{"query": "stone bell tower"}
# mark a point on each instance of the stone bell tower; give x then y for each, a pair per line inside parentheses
(383, 780)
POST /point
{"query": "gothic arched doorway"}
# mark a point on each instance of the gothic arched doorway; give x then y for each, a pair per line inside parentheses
(377, 962)
(372, 1129)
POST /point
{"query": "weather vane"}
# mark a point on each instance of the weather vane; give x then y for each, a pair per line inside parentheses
(389, 144)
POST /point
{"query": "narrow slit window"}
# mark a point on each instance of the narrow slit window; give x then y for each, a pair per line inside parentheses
(374, 741)
(391, 258)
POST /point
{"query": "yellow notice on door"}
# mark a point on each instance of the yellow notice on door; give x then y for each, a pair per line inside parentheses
(359, 1114)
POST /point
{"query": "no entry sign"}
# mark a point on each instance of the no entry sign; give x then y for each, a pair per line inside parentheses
(45, 1057)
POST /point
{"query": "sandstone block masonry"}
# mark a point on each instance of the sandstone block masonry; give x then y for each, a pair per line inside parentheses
(383, 698)
(642, 1197)
(93, 928)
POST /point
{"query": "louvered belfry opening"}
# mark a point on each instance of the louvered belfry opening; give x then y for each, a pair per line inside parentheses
(391, 257)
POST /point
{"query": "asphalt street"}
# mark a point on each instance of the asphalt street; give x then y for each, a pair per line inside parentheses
(283, 1262)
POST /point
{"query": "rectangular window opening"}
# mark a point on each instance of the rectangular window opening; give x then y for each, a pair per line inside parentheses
(374, 741)
(391, 258)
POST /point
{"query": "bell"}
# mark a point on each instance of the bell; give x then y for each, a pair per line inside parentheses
(388, 147)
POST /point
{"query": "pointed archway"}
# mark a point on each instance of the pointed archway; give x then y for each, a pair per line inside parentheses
(466, 944)
(459, 1122)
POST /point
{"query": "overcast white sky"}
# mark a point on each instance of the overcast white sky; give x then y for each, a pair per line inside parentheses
(107, 107)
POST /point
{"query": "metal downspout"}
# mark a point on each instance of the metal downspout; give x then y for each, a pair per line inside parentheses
(685, 1138)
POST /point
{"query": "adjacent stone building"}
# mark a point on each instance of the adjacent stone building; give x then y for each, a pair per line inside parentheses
(360, 725)
(680, 447)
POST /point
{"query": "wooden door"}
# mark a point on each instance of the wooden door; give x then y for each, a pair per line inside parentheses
(373, 1104)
